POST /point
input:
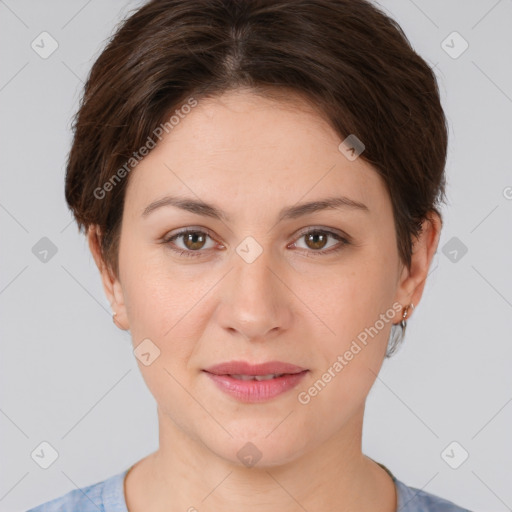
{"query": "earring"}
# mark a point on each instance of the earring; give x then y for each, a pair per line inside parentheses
(117, 324)
(398, 332)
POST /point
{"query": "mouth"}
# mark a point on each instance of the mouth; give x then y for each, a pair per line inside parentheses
(255, 382)
(242, 369)
(258, 377)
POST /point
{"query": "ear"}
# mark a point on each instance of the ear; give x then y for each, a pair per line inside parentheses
(111, 283)
(412, 282)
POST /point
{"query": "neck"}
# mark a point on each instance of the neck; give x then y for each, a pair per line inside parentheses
(183, 474)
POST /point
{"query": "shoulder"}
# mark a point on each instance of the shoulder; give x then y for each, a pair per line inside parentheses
(104, 496)
(411, 499)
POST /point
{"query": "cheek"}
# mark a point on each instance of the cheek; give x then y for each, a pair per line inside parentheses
(165, 304)
(159, 310)
(154, 295)
(356, 306)
(372, 283)
(353, 297)
(348, 367)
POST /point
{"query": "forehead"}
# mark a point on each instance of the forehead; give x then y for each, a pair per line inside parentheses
(241, 147)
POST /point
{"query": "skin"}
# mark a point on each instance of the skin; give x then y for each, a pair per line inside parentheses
(252, 156)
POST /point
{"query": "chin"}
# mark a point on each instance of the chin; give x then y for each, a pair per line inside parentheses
(260, 450)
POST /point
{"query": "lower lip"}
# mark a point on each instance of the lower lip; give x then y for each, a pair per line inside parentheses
(254, 390)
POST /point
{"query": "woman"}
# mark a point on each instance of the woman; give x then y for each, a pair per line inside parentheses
(259, 181)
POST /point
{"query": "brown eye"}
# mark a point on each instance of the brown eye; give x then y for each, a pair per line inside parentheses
(194, 240)
(316, 239)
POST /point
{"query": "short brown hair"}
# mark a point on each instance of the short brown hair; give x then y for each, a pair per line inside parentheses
(347, 57)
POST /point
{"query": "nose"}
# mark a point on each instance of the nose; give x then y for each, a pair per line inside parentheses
(256, 302)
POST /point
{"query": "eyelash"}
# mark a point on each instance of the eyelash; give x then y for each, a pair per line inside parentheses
(192, 254)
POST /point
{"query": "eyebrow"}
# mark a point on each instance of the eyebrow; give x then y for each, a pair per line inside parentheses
(291, 212)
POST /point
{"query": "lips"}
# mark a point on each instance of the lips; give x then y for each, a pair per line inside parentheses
(244, 369)
(252, 383)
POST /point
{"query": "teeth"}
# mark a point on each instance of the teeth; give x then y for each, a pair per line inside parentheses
(242, 377)
(257, 377)
(267, 377)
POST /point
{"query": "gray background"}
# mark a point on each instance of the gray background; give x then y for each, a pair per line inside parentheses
(68, 375)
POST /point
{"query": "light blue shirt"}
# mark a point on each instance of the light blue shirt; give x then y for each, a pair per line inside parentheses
(108, 496)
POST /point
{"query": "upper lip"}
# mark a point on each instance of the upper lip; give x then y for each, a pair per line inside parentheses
(244, 368)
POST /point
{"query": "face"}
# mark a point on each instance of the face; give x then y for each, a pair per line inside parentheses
(254, 284)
